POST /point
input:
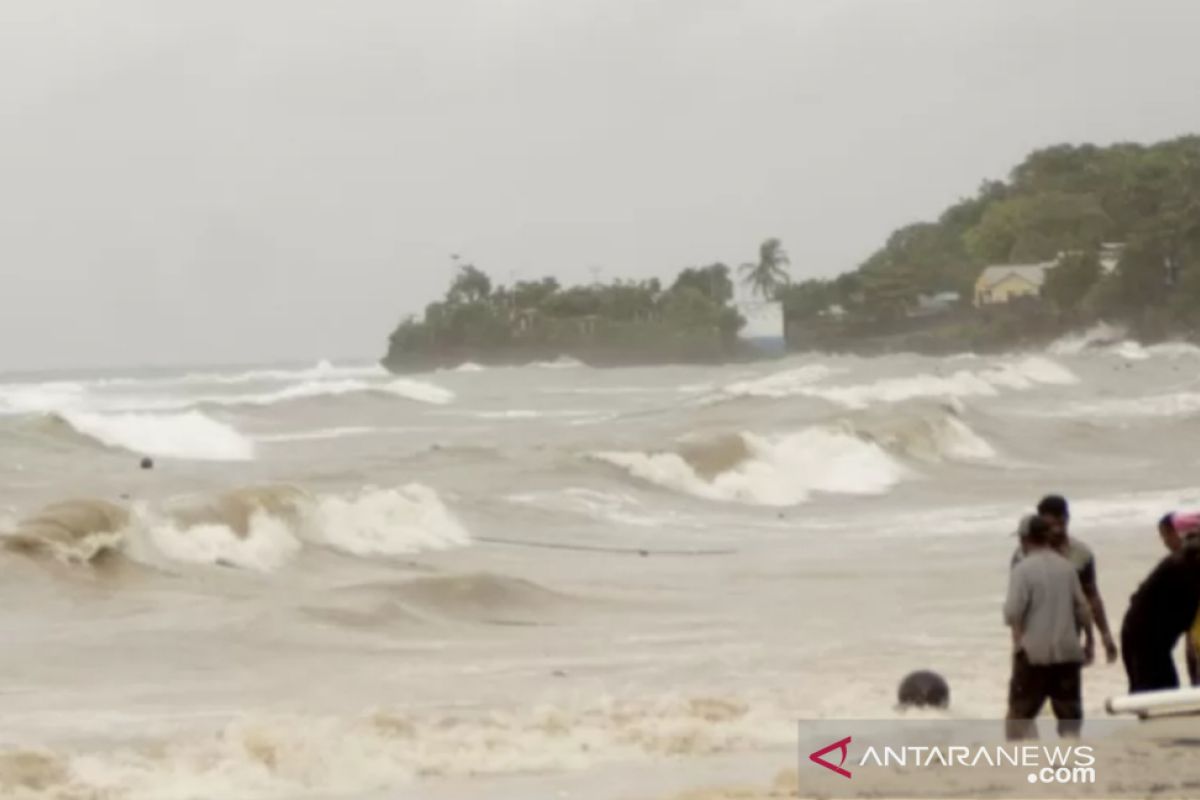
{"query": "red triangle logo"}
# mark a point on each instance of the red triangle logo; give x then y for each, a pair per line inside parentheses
(842, 746)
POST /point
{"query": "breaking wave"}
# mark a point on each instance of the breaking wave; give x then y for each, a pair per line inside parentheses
(781, 384)
(419, 391)
(562, 362)
(1020, 375)
(1094, 337)
(933, 437)
(258, 529)
(48, 398)
(322, 370)
(768, 471)
(74, 531)
(190, 435)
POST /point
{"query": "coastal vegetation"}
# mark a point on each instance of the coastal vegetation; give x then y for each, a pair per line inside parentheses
(1119, 227)
(1060, 205)
(691, 320)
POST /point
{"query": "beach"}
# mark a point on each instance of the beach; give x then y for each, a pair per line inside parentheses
(543, 581)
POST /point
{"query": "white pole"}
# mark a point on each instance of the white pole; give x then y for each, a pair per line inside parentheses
(1169, 701)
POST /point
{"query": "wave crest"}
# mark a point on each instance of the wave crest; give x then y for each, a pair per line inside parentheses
(768, 471)
(191, 435)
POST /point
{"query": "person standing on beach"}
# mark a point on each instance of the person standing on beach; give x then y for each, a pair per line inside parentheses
(1055, 510)
(1045, 608)
(1163, 609)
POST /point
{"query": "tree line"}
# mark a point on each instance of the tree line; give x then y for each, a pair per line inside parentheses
(691, 319)
(1061, 202)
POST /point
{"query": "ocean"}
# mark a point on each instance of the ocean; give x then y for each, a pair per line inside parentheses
(548, 581)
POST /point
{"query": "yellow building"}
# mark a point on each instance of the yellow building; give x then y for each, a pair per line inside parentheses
(1003, 282)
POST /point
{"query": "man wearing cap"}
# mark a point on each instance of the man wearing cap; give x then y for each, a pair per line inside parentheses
(1045, 608)
(1055, 510)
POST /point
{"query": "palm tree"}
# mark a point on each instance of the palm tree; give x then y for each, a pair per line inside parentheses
(770, 273)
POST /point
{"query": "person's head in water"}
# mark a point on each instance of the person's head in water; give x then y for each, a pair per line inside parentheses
(147, 462)
(923, 689)
(1054, 509)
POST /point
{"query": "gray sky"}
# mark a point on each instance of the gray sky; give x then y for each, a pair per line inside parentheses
(235, 181)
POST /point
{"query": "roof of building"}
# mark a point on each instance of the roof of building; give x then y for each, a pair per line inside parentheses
(1032, 273)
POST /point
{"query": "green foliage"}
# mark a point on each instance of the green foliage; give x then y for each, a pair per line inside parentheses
(712, 281)
(623, 321)
(1069, 283)
(1060, 200)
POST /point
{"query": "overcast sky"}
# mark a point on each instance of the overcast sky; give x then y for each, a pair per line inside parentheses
(222, 181)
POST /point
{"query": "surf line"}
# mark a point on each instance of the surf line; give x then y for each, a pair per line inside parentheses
(631, 551)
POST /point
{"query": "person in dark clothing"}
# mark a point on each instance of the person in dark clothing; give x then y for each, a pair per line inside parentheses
(1161, 610)
(1173, 528)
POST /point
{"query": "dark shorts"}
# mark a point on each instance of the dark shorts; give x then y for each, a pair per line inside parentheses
(1032, 685)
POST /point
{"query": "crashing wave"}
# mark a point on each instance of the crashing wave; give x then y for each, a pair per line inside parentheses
(1021, 375)
(62, 398)
(257, 528)
(562, 362)
(1097, 336)
(190, 436)
(768, 471)
(809, 381)
(781, 384)
(73, 531)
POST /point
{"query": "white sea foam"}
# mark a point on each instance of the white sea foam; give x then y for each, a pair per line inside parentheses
(777, 471)
(272, 757)
(956, 441)
(1020, 375)
(607, 507)
(419, 391)
(277, 524)
(408, 519)
(267, 544)
(191, 435)
(562, 362)
(1175, 404)
(318, 435)
(1075, 343)
(781, 384)
(322, 370)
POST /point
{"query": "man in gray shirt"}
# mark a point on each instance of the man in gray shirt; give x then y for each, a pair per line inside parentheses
(1046, 609)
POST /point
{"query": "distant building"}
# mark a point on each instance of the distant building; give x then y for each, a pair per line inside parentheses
(764, 324)
(1001, 283)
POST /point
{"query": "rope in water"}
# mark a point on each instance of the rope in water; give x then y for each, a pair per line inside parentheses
(638, 551)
